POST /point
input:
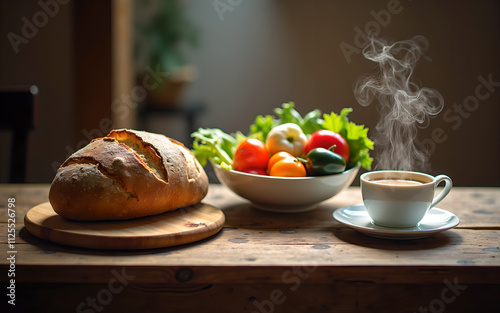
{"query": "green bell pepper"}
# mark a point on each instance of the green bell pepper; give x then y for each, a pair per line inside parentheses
(321, 161)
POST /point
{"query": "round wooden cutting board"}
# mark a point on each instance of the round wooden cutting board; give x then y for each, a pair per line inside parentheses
(172, 228)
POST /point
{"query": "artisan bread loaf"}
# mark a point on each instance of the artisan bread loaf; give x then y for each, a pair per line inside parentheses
(127, 174)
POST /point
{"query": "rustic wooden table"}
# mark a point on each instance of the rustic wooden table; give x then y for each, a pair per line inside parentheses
(264, 262)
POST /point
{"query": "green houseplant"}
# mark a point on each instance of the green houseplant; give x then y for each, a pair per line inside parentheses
(163, 34)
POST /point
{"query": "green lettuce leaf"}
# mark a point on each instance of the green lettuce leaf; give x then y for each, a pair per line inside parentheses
(355, 135)
(262, 126)
(287, 114)
(312, 122)
(214, 144)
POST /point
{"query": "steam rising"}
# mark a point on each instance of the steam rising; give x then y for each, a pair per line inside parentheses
(403, 106)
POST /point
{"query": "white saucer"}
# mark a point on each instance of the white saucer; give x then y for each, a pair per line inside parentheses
(435, 221)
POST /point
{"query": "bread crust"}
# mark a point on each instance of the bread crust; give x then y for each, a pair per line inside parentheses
(127, 174)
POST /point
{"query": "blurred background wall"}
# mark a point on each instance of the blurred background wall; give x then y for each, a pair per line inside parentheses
(45, 59)
(254, 55)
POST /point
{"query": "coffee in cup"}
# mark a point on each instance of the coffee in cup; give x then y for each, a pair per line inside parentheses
(401, 198)
(397, 182)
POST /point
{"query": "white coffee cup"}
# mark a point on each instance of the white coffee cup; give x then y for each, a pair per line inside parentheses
(401, 198)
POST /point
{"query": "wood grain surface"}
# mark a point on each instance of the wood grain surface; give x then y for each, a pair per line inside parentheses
(172, 228)
(269, 262)
(255, 238)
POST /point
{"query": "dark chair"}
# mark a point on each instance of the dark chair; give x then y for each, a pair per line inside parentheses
(17, 115)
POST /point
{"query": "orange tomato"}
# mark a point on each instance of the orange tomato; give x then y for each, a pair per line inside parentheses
(288, 167)
(277, 157)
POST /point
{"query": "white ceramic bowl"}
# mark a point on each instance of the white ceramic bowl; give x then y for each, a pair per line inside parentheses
(285, 194)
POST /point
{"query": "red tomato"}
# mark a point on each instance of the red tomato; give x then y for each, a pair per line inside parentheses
(256, 171)
(325, 139)
(250, 153)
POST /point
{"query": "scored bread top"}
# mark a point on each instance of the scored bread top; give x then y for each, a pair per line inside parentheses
(145, 150)
(127, 174)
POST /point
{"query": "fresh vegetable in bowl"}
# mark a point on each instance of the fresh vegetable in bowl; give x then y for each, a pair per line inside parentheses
(320, 161)
(287, 137)
(288, 132)
(288, 167)
(275, 158)
(251, 154)
(326, 139)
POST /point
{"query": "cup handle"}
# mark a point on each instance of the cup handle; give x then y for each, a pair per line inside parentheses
(447, 187)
